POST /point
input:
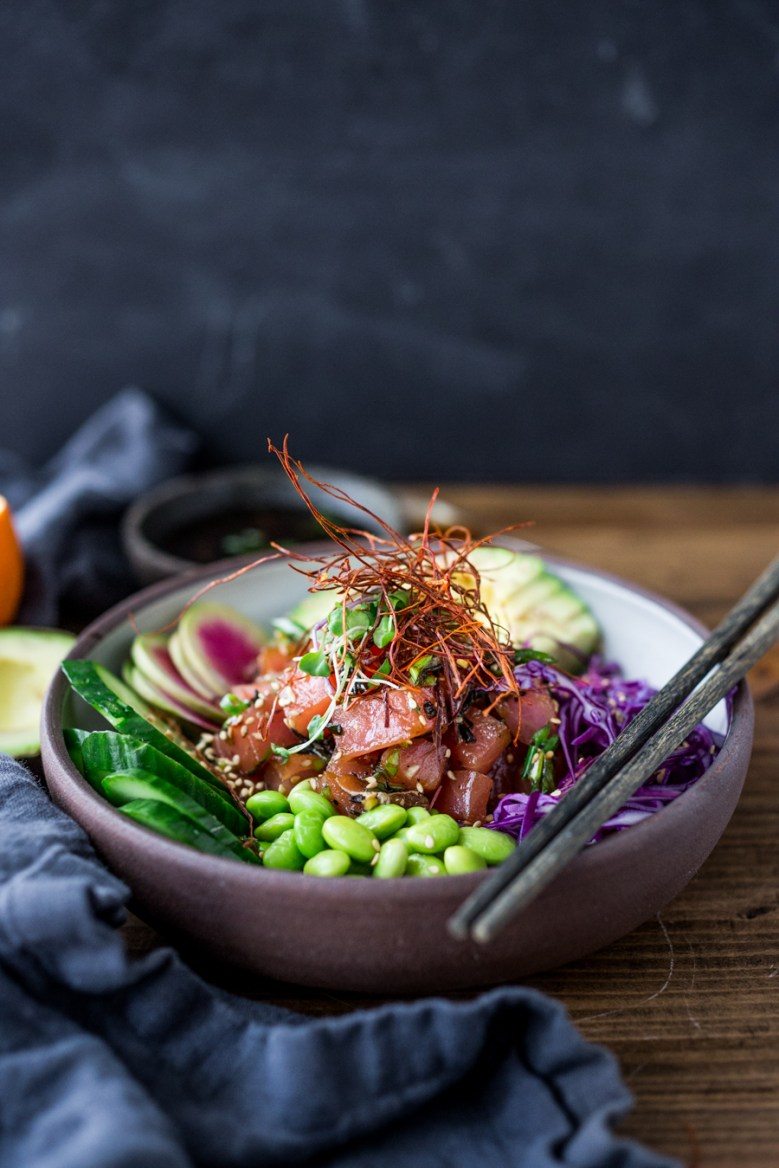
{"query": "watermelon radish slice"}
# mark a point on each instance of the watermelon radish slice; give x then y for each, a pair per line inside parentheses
(188, 672)
(164, 701)
(151, 658)
(221, 644)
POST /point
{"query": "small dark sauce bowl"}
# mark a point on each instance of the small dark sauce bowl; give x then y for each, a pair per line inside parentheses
(183, 523)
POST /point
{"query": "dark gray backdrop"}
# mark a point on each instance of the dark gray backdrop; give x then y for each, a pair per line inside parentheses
(444, 239)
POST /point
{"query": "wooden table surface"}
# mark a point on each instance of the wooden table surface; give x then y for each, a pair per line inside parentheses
(689, 1002)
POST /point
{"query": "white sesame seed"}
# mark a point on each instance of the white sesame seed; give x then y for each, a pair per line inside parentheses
(450, 774)
(412, 771)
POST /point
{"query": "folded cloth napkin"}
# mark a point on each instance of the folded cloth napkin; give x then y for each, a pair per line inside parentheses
(108, 1062)
(66, 514)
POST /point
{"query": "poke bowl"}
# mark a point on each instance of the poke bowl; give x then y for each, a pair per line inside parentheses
(390, 936)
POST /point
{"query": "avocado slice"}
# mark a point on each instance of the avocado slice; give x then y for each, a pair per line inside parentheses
(535, 607)
(28, 660)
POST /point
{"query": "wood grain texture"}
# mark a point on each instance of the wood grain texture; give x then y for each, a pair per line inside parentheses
(689, 1003)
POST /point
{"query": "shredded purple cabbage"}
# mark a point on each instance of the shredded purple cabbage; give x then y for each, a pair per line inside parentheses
(593, 709)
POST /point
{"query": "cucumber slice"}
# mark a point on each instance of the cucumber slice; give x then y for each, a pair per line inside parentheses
(73, 740)
(167, 821)
(104, 752)
(128, 713)
(535, 607)
(125, 786)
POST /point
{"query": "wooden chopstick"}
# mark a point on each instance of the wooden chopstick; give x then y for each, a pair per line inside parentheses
(593, 799)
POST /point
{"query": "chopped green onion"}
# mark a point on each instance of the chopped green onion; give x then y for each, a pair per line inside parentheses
(232, 705)
(522, 656)
(384, 632)
(391, 763)
(280, 752)
(316, 663)
(420, 667)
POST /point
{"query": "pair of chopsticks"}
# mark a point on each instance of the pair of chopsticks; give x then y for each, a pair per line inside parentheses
(746, 633)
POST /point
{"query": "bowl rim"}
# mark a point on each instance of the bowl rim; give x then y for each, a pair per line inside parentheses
(613, 850)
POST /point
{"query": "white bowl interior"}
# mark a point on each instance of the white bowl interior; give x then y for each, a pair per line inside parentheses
(648, 640)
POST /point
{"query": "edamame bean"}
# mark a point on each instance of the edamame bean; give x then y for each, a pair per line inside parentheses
(328, 863)
(347, 835)
(492, 846)
(383, 821)
(392, 860)
(419, 865)
(416, 814)
(308, 833)
(302, 798)
(458, 860)
(433, 834)
(284, 853)
(272, 828)
(266, 803)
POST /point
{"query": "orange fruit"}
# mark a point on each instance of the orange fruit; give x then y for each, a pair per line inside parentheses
(11, 566)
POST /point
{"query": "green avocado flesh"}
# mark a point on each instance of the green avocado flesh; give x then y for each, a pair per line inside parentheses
(28, 660)
(535, 607)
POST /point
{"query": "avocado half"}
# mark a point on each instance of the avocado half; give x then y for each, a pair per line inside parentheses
(28, 660)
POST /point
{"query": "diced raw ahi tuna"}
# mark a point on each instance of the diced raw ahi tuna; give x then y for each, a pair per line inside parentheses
(506, 774)
(479, 741)
(248, 737)
(387, 718)
(344, 782)
(273, 658)
(284, 775)
(420, 763)
(222, 643)
(464, 795)
(303, 697)
(535, 710)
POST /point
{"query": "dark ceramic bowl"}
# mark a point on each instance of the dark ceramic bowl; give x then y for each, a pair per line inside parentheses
(154, 527)
(390, 937)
